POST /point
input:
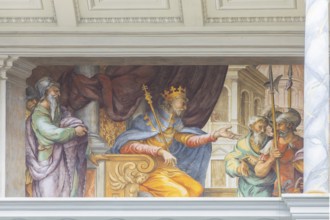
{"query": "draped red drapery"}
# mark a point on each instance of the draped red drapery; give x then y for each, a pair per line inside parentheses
(119, 88)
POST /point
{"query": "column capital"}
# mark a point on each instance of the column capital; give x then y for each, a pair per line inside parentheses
(15, 67)
(6, 62)
(21, 69)
(16, 70)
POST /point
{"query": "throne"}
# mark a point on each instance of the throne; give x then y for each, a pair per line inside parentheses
(124, 173)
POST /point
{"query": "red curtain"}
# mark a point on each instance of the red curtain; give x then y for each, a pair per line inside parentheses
(119, 88)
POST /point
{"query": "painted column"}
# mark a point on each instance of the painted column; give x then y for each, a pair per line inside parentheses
(234, 101)
(6, 62)
(316, 100)
(90, 114)
(3, 80)
(14, 72)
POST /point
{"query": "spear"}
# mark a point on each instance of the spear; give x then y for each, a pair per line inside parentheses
(148, 98)
(288, 86)
(273, 85)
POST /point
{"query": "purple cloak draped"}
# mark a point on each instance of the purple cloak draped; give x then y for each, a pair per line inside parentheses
(54, 177)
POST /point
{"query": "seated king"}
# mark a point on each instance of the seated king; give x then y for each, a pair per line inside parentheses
(182, 153)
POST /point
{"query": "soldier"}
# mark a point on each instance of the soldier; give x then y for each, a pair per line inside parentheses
(289, 151)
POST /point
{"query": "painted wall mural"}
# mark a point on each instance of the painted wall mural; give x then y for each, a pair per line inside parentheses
(164, 131)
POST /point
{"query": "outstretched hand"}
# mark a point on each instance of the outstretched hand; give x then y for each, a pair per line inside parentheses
(225, 133)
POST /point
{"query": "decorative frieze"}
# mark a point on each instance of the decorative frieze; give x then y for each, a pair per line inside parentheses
(27, 20)
(121, 20)
(299, 19)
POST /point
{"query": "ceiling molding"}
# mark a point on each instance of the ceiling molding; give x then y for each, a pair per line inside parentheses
(239, 12)
(150, 13)
(128, 5)
(32, 11)
(98, 12)
(255, 4)
(21, 5)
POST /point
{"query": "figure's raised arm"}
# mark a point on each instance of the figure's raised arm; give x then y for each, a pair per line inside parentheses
(193, 140)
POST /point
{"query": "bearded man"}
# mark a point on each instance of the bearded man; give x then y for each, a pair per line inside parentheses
(289, 152)
(55, 146)
(242, 160)
(183, 160)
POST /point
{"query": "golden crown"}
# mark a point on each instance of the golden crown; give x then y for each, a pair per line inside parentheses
(174, 93)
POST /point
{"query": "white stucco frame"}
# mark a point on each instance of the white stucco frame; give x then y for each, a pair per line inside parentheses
(21, 52)
(211, 48)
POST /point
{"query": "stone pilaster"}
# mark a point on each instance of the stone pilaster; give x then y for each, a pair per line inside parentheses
(14, 72)
(316, 98)
(234, 101)
(6, 62)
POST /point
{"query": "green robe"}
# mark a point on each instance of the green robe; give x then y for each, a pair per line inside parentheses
(59, 167)
(48, 131)
(251, 186)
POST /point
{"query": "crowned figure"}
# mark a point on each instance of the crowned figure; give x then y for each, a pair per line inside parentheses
(182, 153)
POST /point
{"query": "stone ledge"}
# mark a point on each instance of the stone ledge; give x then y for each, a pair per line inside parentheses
(287, 207)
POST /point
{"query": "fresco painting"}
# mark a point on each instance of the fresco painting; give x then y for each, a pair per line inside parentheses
(164, 131)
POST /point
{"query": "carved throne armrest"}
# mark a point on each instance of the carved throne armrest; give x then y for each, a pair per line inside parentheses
(124, 172)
